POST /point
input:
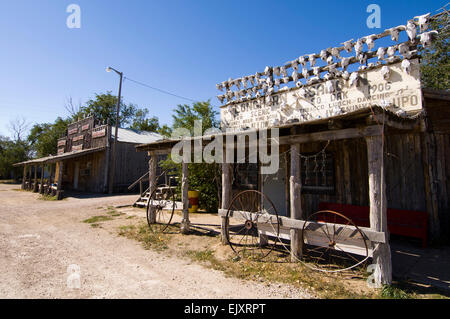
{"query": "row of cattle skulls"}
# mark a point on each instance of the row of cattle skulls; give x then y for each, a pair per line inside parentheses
(329, 54)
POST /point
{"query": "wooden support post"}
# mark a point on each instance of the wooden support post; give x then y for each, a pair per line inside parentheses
(59, 191)
(50, 180)
(41, 189)
(35, 183)
(295, 202)
(151, 184)
(185, 224)
(378, 207)
(226, 197)
(29, 177)
(24, 178)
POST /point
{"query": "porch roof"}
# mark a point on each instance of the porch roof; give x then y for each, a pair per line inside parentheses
(355, 120)
(55, 158)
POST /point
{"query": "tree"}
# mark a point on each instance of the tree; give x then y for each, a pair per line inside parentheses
(18, 127)
(142, 122)
(12, 152)
(185, 116)
(435, 64)
(43, 138)
(104, 106)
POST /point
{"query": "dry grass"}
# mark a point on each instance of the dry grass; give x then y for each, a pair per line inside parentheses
(203, 246)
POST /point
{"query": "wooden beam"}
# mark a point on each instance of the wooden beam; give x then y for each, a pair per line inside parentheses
(41, 189)
(59, 190)
(227, 175)
(152, 185)
(400, 125)
(24, 178)
(35, 183)
(289, 223)
(295, 193)
(378, 208)
(185, 224)
(332, 135)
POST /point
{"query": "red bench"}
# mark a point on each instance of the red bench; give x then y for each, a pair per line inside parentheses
(400, 222)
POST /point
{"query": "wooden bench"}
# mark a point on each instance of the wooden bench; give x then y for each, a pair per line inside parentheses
(401, 222)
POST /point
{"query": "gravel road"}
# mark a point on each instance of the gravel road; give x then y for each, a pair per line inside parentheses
(44, 243)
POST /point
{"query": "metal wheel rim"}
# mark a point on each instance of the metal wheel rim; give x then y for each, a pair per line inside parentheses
(255, 243)
(349, 223)
(163, 218)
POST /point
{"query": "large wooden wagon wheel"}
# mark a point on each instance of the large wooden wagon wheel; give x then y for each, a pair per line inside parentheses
(252, 225)
(160, 208)
(338, 246)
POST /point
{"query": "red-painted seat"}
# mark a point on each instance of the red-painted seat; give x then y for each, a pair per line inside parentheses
(400, 222)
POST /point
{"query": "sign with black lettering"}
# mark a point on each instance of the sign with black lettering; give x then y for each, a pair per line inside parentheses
(398, 91)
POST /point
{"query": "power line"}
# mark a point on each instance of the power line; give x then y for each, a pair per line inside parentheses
(159, 90)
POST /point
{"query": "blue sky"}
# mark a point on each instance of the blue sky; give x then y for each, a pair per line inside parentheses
(184, 47)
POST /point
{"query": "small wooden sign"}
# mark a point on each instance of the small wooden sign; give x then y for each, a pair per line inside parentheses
(61, 143)
(73, 131)
(77, 138)
(77, 147)
(85, 127)
(100, 133)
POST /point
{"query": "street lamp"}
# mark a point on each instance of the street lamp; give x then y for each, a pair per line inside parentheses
(111, 179)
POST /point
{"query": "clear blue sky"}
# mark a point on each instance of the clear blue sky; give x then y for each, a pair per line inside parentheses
(185, 47)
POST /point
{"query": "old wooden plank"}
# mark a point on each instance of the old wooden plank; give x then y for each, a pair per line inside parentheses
(378, 206)
(289, 223)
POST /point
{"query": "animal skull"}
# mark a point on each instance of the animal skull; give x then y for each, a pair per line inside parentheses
(305, 73)
(312, 59)
(403, 49)
(406, 66)
(302, 61)
(348, 45)
(411, 30)
(426, 38)
(359, 46)
(345, 62)
(395, 32)
(335, 52)
(423, 21)
(354, 77)
(370, 41)
(381, 52)
(386, 72)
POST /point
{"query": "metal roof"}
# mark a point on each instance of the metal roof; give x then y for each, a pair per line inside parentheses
(128, 135)
(55, 158)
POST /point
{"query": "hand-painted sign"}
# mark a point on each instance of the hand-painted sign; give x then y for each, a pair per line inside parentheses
(393, 87)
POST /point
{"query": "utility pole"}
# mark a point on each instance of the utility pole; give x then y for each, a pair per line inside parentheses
(114, 150)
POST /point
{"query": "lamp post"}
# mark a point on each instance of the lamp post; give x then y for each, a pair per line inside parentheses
(111, 178)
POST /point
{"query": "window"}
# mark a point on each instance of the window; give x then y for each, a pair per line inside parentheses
(245, 176)
(317, 173)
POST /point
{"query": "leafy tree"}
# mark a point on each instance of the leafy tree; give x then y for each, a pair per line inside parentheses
(185, 116)
(165, 131)
(435, 66)
(43, 138)
(104, 106)
(142, 122)
(12, 152)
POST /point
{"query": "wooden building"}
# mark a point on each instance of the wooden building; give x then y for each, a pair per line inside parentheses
(372, 145)
(83, 162)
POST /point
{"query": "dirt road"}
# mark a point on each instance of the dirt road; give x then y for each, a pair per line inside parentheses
(40, 240)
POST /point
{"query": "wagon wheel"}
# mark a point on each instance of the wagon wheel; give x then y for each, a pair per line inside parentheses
(249, 213)
(324, 248)
(162, 205)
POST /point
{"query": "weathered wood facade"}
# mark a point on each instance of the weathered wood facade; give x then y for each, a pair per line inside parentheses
(83, 160)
